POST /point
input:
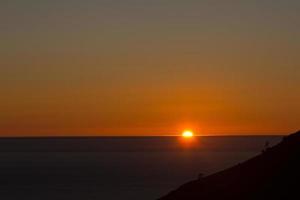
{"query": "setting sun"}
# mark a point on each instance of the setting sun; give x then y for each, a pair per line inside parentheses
(187, 134)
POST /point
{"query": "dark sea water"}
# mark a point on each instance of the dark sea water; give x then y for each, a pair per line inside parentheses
(115, 168)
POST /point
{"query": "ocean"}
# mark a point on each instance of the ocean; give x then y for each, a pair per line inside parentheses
(115, 168)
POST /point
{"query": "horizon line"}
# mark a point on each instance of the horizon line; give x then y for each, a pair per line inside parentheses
(137, 136)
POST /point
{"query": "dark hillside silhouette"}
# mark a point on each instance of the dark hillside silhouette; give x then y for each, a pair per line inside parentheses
(274, 174)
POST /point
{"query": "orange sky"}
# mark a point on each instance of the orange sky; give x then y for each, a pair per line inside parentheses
(149, 67)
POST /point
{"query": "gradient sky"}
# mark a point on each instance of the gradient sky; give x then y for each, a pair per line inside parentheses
(149, 67)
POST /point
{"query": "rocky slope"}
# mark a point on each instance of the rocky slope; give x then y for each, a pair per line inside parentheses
(274, 174)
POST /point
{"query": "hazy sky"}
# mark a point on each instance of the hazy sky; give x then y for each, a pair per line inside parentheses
(149, 67)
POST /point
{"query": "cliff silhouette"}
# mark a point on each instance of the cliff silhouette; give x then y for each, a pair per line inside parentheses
(274, 174)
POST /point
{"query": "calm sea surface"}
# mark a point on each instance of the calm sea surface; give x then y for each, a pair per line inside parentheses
(115, 168)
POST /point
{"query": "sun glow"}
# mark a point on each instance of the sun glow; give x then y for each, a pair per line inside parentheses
(187, 134)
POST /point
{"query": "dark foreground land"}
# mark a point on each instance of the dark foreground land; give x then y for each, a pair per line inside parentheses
(274, 175)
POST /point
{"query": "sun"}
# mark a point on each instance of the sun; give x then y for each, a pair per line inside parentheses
(187, 134)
